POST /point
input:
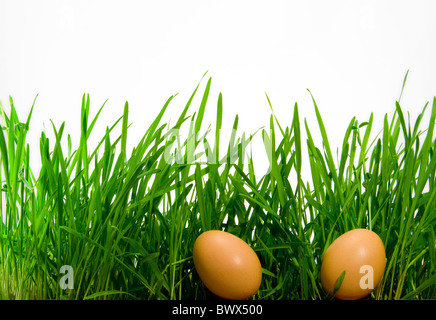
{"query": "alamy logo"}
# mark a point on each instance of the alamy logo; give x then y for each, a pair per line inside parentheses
(67, 280)
(367, 280)
(197, 150)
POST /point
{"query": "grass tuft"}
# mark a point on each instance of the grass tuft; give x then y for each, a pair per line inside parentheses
(126, 223)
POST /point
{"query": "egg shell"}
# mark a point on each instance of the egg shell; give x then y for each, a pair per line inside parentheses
(350, 252)
(227, 265)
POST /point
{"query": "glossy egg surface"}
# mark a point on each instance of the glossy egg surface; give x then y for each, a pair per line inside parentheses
(360, 252)
(227, 265)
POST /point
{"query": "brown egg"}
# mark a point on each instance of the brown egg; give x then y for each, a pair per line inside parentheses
(227, 265)
(360, 252)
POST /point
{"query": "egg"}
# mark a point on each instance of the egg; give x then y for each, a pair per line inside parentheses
(227, 265)
(361, 254)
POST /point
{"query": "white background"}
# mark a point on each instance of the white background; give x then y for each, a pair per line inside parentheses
(352, 55)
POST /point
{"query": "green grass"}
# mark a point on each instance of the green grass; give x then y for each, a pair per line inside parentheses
(127, 222)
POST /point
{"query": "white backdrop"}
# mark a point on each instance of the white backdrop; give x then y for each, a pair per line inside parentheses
(352, 55)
